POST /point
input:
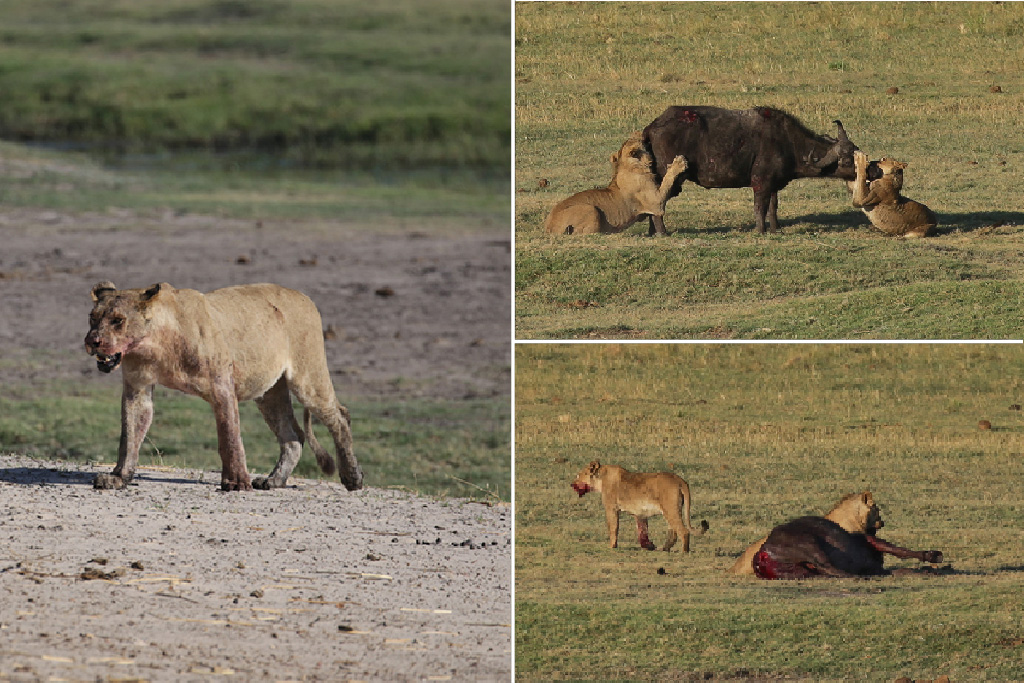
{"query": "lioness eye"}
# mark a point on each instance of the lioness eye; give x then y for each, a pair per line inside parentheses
(117, 322)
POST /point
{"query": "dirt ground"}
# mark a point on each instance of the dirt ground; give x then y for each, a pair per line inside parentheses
(174, 580)
(414, 313)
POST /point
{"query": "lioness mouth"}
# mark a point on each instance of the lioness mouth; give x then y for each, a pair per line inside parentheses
(581, 489)
(108, 363)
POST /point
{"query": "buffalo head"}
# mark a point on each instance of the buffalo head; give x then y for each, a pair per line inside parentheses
(840, 154)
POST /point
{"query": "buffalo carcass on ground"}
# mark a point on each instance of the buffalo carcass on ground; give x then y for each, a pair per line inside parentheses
(760, 148)
(811, 547)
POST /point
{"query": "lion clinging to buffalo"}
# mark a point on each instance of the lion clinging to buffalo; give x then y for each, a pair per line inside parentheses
(633, 192)
(262, 342)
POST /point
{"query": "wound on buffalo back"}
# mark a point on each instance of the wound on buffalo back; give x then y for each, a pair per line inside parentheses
(687, 116)
(765, 112)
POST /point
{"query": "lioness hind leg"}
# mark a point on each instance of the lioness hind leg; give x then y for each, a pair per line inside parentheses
(320, 401)
(676, 529)
(335, 418)
(276, 408)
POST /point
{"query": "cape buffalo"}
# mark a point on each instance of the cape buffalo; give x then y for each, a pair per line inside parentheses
(810, 547)
(760, 148)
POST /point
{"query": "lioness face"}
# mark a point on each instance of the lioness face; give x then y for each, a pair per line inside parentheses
(117, 323)
(586, 480)
(634, 155)
(870, 516)
(892, 169)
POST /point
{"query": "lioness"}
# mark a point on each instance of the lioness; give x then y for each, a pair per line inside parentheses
(881, 201)
(632, 194)
(855, 512)
(642, 495)
(234, 344)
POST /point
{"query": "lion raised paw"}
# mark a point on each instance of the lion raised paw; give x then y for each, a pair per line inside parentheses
(881, 201)
(632, 194)
(260, 342)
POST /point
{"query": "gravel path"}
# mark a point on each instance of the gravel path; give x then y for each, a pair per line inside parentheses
(174, 580)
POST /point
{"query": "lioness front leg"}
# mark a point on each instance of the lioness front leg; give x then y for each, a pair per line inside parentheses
(862, 195)
(611, 517)
(233, 475)
(136, 417)
(657, 212)
(674, 170)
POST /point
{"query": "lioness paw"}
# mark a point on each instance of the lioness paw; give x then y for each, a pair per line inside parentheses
(237, 484)
(679, 164)
(108, 481)
(860, 159)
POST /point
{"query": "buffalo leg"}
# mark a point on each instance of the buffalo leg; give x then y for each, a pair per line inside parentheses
(773, 212)
(641, 534)
(762, 201)
(933, 556)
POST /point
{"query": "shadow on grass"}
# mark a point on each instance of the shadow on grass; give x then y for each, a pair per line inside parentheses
(854, 220)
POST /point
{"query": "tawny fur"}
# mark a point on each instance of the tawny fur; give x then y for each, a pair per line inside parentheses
(632, 194)
(882, 203)
(855, 512)
(642, 495)
(257, 342)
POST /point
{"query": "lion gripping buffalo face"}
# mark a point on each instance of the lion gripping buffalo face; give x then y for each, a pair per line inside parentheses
(257, 342)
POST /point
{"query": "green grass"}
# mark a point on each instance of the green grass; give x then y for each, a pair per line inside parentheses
(73, 182)
(439, 448)
(316, 82)
(763, 434)
(587, 75)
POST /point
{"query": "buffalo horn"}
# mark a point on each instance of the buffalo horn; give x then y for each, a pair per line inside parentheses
(842, 132)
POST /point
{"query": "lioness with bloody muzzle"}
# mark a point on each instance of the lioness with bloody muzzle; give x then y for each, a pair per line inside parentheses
(642, 495)
(261, 342)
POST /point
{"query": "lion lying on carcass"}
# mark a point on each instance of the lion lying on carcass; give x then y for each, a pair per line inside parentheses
(841, 544)
(632, 194)
(261, 342)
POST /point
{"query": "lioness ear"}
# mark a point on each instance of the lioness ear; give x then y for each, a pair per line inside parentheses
(102, 289)
(594, 466)
(867, 499)
(614, 157)
(902, 164)
(154, 290)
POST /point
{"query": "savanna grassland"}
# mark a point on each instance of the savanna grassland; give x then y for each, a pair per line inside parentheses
(763, 434)
(587, 74)
(319, 144)
(318, 82)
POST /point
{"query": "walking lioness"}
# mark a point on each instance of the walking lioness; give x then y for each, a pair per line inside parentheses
(642, 495)
(633, 193)
(261, 342)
